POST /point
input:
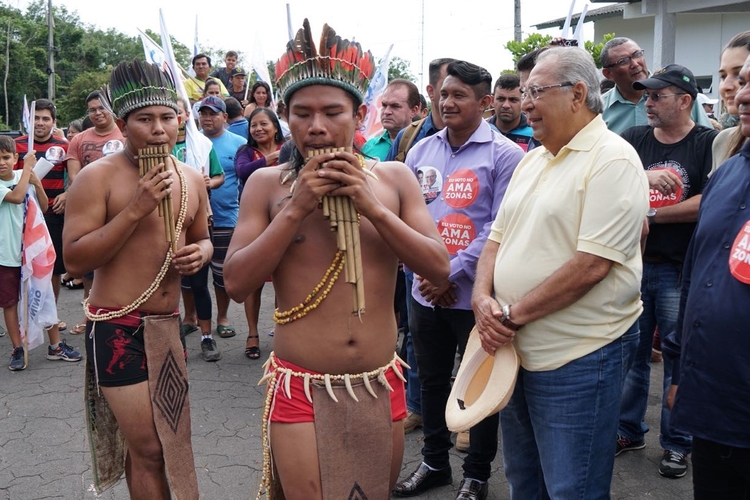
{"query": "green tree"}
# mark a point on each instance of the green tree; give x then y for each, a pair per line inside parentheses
(536, 41)
(399, 68)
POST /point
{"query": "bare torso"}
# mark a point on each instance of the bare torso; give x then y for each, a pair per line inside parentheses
(133, 269)
(330, 339)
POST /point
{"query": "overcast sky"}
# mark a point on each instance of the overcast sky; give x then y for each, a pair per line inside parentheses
(474, 30)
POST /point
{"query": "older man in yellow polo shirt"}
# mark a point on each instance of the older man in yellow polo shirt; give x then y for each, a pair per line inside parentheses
(564, 267)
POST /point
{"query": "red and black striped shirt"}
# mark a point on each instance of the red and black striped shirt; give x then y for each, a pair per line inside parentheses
(54, 182)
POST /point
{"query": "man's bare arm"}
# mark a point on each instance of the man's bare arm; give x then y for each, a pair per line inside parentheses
(685, 211)
(89, 241)
(74, 167)
(487, 310)
(565, 287)
(197, 251)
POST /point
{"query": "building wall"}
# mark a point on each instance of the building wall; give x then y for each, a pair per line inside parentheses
(699, 40)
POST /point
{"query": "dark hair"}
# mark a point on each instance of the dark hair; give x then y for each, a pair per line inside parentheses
(527, 61)
(256, 86)
(508, 81)
(209, 83)
(422, 102)
(606, 85)
(478, 78)
(201, 56)
(412, 92)
(94, 95)
(87, 123)
(278, 137)
(615, 42)
(435, 68)
(736, 139)
(7, 144)
(230, 53)
(281, 108)
(47, 104)
(234, 108)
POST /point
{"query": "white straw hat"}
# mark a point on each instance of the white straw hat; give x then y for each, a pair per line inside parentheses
(483, 386)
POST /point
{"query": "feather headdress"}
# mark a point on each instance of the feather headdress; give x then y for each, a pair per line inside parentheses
(336, 61)
(138, 84)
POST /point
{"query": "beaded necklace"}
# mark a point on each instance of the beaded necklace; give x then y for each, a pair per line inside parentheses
(162, 272)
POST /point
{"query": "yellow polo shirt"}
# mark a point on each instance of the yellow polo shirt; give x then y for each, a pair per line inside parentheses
(591, 197)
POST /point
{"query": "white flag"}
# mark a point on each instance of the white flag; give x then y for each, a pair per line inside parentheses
(374, 98)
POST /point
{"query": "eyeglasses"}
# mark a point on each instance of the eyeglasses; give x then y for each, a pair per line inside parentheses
(93, 111)
(535, 92)
(626, 60)
(657, 97)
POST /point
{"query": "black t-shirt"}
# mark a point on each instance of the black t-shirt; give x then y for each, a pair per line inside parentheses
(690, 159)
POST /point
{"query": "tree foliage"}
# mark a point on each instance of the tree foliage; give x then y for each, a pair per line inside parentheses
(84, 56)
(400, 68)
(536, 41)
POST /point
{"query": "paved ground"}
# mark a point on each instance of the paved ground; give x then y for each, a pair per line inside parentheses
(44, 453)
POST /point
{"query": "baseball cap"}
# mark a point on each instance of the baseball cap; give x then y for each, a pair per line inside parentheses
(673, 74)
(704, 99)
(237, 71)
(213, 103)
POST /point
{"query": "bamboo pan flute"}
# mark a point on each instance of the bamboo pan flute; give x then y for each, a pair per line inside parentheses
(344, 219)
(147, 159)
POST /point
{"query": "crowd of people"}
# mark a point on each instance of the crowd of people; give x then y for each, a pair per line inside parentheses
(591, 231)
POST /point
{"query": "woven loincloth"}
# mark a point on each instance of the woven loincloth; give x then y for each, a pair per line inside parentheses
(353, 429)
(168, 387)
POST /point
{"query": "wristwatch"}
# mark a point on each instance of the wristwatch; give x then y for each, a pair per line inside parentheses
(506, 321)
(651, 216)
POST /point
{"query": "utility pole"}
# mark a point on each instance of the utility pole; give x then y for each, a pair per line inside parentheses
(50, 54)
(517, 22)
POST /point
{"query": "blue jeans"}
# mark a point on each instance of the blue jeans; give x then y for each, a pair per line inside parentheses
(413, 388)
(559, 425)
(437, 334)
(660, 292)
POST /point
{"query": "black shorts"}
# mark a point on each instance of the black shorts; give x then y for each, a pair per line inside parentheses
(55, 226)
(120, 351)
(220, 240)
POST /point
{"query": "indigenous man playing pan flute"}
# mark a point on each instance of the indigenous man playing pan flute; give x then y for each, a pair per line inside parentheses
(286, 235)
(114, 229)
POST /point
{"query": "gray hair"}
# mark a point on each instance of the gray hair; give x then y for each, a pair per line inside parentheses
(576, 65)
(615, 42)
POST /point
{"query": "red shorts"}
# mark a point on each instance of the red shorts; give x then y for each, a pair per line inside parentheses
(298, 409)
(10, 286)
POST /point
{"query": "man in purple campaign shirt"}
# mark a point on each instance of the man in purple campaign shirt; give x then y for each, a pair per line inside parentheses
(464, 170)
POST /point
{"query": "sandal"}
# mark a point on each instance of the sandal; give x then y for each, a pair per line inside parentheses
(78, 329)
(62, 326)
(225, 331)
(253, 351)
(187, 328)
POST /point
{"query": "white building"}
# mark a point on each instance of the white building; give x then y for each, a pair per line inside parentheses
(687, 32)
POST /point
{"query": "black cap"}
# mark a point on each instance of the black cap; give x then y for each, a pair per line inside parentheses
(236, 71)
(674, 74)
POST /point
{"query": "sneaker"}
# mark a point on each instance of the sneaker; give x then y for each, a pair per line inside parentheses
(462, 441)
(17, 360)
(209, 350)
(63, 352)
(2, 331)
(412, 421)
(624, 444)
(673, 464)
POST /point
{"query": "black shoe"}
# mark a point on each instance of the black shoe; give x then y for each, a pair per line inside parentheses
(471, 489)
(421, 480)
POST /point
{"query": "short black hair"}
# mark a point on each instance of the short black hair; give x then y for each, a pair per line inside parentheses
(7, 144)
(435, 66)
(201, 56)
(528, 61)
(234, 108)
(508, 81)
(94, 95)
(47, 104)
(475, 76)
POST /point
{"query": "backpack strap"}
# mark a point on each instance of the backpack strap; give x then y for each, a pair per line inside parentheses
(407, 140)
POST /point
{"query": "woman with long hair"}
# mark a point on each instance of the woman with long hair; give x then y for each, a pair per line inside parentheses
(260, 97)
(262, 150)
(730, 140)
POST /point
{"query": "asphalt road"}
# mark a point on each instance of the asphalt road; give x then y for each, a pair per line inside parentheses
(44, 451)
